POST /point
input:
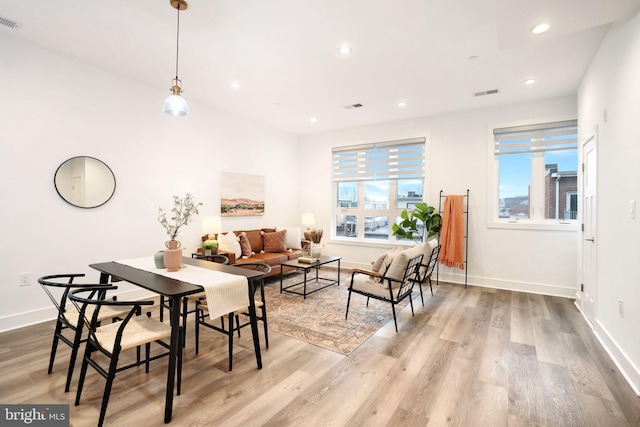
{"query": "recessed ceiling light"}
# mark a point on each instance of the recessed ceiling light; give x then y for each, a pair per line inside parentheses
(529, 81)
(235, 85)
(344, 50)
(313, 119)
(402, 104)
(540, 28)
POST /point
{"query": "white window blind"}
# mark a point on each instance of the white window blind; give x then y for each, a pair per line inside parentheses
(403, 159)
(534, 138)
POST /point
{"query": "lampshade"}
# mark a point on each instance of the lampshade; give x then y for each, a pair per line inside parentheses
(175, 104)
(211, 225)
(308, 219)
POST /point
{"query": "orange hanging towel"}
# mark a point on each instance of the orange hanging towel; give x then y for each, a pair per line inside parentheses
(452, 233)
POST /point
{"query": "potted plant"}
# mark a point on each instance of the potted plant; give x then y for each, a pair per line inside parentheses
(210, 246)
(184, 208)
(422, 214)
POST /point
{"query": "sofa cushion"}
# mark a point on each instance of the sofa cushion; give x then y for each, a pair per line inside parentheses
(229, 242)
(399, 263)
(427, 249)
(269, 258)
(245, 245)
(255, 238)
(293, 238)
(364, 283)
(275, 242)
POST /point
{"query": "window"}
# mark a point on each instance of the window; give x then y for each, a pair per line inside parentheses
(537, 177)
(373, 184)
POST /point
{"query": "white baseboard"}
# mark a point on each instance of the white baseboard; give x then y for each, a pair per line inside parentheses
(630, 372)
(488, 282)
(20, 320)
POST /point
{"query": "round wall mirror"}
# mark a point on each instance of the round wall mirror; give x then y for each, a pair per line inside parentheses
(85, 182)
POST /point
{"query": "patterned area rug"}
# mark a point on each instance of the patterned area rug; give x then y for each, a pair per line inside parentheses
(319, 319)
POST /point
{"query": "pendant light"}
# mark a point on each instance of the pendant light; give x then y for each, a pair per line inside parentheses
(175, 104)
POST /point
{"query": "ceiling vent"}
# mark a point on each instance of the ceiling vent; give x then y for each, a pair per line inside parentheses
(348, 107)
(6, 22)
(488, 92)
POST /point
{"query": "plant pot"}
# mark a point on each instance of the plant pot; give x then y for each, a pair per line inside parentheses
(173, 255)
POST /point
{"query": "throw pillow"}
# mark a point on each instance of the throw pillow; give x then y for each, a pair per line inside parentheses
(229, 242)
(293, 239)
(275, 242)
(245, 245)
(388, 259)
(378, 263)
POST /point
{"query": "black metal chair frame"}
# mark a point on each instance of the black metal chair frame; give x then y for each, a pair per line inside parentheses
(234, 320)
(93, 345)
(62, 323)
(429, 267)
(403, 290)
(220, 258)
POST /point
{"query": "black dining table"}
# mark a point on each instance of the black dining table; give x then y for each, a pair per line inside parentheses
(175, 290)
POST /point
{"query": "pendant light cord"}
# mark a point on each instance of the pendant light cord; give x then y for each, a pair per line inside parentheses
(178, 41)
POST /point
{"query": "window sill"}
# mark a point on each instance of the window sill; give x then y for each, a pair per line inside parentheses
(535, 225)
(370, 243)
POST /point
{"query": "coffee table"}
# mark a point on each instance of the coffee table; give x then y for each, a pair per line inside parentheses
(306, 267)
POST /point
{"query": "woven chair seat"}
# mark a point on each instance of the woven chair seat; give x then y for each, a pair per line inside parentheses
(203, 306)
(139, 330)
(107, 312)
(195, 297)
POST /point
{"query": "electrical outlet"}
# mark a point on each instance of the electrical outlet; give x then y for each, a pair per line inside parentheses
(24, 279)
(621, 307)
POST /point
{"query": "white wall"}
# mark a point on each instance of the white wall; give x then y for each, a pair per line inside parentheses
(53, 108)
(534, 261)
(612, 84)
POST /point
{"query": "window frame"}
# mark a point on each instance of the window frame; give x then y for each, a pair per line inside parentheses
(536, 220)
(392, 212)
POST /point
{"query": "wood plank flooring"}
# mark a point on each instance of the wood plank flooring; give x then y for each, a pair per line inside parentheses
(469, 357)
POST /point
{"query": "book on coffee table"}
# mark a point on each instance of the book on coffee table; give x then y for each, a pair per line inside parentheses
(308, 259)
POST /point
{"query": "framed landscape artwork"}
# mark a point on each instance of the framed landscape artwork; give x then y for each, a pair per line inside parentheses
(241, 194)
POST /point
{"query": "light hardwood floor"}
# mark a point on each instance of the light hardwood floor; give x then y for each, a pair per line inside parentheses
(474, 357)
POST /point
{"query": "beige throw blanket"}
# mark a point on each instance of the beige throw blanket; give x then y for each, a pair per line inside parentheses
(225, 292)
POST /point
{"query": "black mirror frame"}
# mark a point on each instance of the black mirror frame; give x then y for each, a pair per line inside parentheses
(85, 157)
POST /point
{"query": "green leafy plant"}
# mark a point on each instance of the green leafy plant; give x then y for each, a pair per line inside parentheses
(422, 214)
(210, 244)
(184, 208)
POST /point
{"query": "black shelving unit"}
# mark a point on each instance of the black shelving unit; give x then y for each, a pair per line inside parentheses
(466, 234)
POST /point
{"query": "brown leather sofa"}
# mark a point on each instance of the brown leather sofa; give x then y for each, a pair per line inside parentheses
(258, 253)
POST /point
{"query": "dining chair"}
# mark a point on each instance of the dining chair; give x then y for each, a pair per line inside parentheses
(133, 331)
(234, 324)
(68, 317)
(191, 299)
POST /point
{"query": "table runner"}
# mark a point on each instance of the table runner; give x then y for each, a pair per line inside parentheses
(225, 292)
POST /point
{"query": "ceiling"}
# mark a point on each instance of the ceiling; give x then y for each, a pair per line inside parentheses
(284, 53)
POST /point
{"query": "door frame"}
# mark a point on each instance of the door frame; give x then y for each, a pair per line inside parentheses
(588, 308)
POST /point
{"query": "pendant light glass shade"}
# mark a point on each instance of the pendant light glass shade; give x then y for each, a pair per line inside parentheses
(175, 104)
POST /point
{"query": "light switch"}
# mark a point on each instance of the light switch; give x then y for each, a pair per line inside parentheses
(632, 209)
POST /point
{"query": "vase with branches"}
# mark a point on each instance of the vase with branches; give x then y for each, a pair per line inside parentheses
(184, 209)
